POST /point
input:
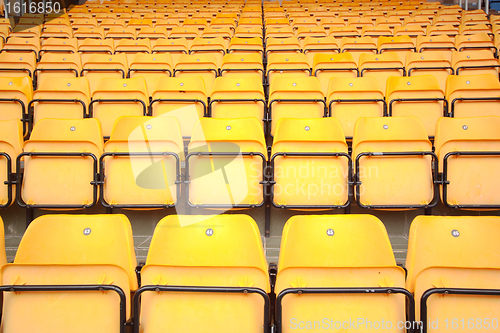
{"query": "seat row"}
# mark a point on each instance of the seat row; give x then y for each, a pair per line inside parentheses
(235, 95)
(76, 273)
(64, 164)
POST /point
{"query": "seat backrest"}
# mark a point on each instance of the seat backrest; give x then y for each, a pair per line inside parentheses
(79, 240)
(11, 141)
(381, 66)
(135, 88)
(99, 66)
(18, 88)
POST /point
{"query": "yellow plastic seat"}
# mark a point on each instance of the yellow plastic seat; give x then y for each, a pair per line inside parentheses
(389, 151)
(352, 98)
(287, 65)
(100, 66)
(326, 66)
(475, 63)
(434, 63)
(241, 65)
(137, 24)
(441, 43)
(359, 22)
(376, 31)
(318, 149)
(357, 46)
(446, 19)
(418, 96)
(121, 33)
(303, 22)
(228, 156)
(112, 22)
(90, 46)
(202, 65)
(152, 67)
(15, 96)
(53, 65)
(114, 98)
(279, 32)
(132, 47)
(279, 45)
(84, 23)
(400, 45)
(88, 263)
(27, 31)
(412, 31)
(182, 98)
(199, 24)
(60, 98)
(60, 164)
(184, 32)
(314, 45)
(468, 149)
(295, 97)
(94, 33)
(214, 46)
(479, 41)
(152, 33)
(332, 22)
(304, 32)
(447, 30)
(11, 143)
(218, 31)
(381, 67)
(140, 164)
(473, 95)
(391, 22)
(168, 23)
(449, 253)
(246, 45)
(341, 32)
(248, 32)
(227, 252)
(235, 97)
(59, 45)
(333, 252)
(22, 45)
(175, 47)
(57, 32)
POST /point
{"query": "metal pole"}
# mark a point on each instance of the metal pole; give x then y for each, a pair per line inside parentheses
(487, 6)
(478, 4)
(466, 5)
(460, 3)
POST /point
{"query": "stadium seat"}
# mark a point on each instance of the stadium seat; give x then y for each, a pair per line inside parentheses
(94, 33)
(200, 65)
(242, 65)
(90, 46)
(60, 98)
(60, 164)
(216, 46)
(352, 98)
(314, 45)
(475, 63)
(303, 32)
(376, 31)
(57, 65)
(452, 268)
(114, 98)
(473, 95)
(222, 273)
(468, 150)
(248, 32)
(338, 267)
(184, 32)
(246, 45)
(434, 63)
(132, 47)
(287, 65)
(418, 96)
(447, 30)
(58, 45)
(228, 156)
(357, 46)
(288, 45)
(381, 67)
(152, 67)
(182, 98)
(341, 32)
(234, 97)
(152, 33)
(16, 93)
(329, 65)
(11, 142)
(71, 273)
(400, 45)
(175, 47)
(140, 167)
(100, 66)
(479, 41)
(22, 45)
(294, 97)
(395, 165)
(441, 43)
(118, 33)
(316, 150)
(412, 31)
